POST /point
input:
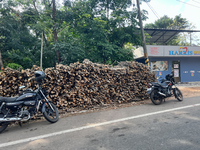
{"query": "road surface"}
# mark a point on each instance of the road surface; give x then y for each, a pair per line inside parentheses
(172, 125)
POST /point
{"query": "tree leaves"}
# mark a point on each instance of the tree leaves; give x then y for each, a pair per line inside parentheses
(83, 29)
(176, 23)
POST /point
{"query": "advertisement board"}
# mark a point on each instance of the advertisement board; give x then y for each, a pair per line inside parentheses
(173, 51)
(176, 72)
(159, 65)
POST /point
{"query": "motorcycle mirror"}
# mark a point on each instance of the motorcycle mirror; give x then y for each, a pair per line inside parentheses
(21, 87)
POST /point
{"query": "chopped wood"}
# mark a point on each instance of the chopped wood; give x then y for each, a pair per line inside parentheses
(83, 84)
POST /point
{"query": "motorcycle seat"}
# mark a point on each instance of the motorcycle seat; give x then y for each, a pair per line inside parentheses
(8, 99)
(164, 84)
(155, 83)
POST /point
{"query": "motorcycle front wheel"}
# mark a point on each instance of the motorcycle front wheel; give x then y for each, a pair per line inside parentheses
(178, 94)
(49, 114)
(155, 97)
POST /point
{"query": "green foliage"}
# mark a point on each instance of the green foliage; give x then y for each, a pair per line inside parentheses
(94, 29)
(169, 23)
(14, 66)
(176, 23)
(70, 52)
(162, 23)
(104, 38)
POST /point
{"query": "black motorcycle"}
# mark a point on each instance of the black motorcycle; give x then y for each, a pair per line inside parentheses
(167, 88)
(27, 104)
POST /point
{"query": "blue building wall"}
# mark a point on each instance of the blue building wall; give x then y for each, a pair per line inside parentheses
(189, 67)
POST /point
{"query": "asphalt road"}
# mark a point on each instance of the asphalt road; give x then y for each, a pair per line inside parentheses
(172, 125)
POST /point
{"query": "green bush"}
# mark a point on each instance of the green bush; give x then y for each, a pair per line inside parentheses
(14, 66)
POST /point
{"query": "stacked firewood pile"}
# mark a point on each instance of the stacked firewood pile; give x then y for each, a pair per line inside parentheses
(84, 84)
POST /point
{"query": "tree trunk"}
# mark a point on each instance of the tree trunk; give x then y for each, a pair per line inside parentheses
(1, 62)
(107, 9)
(55, 33)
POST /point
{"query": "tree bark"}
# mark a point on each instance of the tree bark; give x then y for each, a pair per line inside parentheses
(55, 33)
(107, 9)
(1, 62)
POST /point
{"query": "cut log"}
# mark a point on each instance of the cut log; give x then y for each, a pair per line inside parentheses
(83, 84)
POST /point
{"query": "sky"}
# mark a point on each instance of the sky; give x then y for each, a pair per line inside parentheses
(189, 9)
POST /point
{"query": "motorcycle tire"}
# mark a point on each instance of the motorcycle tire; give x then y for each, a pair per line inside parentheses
(3, 126)
(49, 114)
(155, 97)
(178, 94)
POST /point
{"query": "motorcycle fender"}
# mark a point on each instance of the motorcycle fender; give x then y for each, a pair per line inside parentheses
(152, 89)
(43, 107)
(149, 90)
(156, 88)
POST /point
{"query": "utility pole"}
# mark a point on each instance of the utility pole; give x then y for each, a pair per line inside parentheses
(41, 52)
(142, 32)
(1, 3)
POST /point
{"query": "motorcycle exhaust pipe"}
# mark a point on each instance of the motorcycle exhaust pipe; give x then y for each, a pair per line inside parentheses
(9, 119)
(161, 94)
(15, 119)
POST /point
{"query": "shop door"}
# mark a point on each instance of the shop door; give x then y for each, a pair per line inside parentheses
(176, 68)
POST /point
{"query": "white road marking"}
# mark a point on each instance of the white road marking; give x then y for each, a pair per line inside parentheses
(92, 126)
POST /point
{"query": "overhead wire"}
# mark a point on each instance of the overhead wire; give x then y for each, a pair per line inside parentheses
(196, 1)
(188, 4)
(153, 10)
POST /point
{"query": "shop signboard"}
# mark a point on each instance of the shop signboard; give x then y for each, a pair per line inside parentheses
(173, 51)
(155, 50)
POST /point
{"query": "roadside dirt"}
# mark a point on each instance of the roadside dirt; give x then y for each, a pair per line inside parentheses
(190, 91)
(186, 91)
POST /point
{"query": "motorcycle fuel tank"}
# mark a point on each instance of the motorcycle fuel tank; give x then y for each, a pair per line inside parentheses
(26, 97)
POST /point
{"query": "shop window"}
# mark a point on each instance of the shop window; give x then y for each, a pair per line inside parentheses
(159, 65)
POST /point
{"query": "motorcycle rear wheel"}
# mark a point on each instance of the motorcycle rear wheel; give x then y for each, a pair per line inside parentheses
(49, 114)
(155, 97)
(3, 126)
(178, 94)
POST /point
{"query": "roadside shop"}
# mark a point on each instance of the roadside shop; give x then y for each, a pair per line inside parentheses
(183, 60)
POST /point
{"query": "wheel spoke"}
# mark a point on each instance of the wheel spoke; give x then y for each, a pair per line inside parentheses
(178, 95)
(155, 98)
(52, 116)
(49, 113)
